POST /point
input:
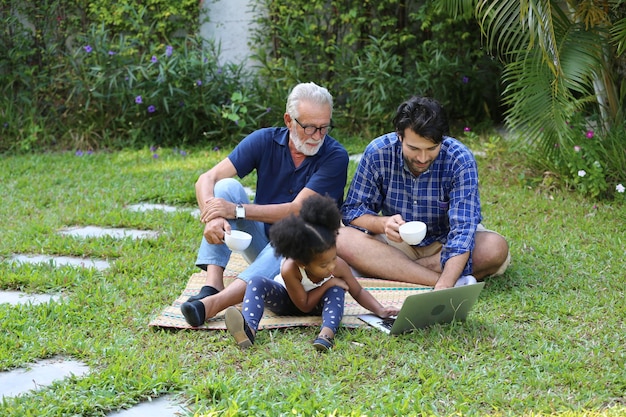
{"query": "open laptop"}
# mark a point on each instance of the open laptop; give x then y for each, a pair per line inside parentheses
(428, 308)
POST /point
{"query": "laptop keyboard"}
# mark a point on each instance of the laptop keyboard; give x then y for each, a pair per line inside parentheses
(387, 323)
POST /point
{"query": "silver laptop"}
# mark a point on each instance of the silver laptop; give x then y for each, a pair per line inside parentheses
(428, 308)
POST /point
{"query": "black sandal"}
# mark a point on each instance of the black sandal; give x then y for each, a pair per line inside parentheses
(323, 343)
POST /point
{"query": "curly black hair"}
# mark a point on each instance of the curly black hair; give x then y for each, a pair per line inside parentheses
(312, 232)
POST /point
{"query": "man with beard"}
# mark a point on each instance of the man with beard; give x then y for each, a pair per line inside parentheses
(418, 173)
(291, 163)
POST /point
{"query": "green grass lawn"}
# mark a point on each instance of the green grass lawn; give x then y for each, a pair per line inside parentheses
(547, 338)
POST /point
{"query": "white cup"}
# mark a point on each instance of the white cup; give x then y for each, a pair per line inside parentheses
(237, 240)
(413, 232)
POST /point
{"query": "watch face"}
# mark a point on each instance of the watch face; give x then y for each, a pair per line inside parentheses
(240, 212)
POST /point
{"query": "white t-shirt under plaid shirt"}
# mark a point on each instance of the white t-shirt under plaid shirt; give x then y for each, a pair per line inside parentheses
(445, 197)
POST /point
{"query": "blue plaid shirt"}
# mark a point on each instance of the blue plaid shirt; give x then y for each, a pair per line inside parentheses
(445, 197)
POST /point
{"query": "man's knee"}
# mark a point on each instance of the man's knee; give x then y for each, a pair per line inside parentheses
(493, 250)
(501, 254)
(346, 242)
(227, 188)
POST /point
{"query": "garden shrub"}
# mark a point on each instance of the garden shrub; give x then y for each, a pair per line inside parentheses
(374, 55)
(168, 95)
(140, 77)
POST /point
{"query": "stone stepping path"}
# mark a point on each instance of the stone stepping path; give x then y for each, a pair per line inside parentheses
(143, 207)
(159, 407)
(19, 297)
(45, 372)
(38, 375)
(58, 261)
(94, 231)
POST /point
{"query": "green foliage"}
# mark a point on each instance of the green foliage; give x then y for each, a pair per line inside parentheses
(562, 72)
(72, 83)
(376, 83)
(168, 95)
(135, 79)
(131, 17)
(374, 55)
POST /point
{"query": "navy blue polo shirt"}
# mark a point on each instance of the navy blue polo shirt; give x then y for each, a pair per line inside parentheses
(278, 180)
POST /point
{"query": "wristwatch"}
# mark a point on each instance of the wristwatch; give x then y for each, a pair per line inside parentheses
(240, 212)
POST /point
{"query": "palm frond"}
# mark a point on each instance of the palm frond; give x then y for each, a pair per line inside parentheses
(457, 8)
(542, 31)
(500, 21)
(540, 104)
(581, 59)
(618, 36)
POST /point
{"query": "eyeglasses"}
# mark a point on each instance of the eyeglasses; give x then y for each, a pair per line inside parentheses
(311, 130)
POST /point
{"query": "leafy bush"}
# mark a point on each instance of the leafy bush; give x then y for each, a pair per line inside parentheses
(374, 56)
(166, 96)
(588, 159)
(68, 83)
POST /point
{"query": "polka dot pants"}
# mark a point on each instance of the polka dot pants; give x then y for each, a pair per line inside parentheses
(263, 292)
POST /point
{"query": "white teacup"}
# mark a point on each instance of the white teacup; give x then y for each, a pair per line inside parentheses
(237, 240)
(413, 232)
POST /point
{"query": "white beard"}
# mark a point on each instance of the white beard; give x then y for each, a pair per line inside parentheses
(301, 146)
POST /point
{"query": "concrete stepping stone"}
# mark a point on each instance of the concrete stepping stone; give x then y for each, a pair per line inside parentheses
(45, 372)
(162, 207)
(356, 157)
(143, 207)
(159, 407)
(19, 297)
(61, 261)
(94, 231)
(40, 374)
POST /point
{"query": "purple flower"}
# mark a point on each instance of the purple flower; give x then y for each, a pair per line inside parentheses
(154, 59)
(151, 109)
(88, 48)
(79, 153)
(466, 129)
(269, 109)
(155, 155)
(216, 148)
(219, 70)
(169, 49)
(465, 79)
(199, 83)
(183, 153)
(589, 134)
(111, 53)
(138, 100)
(153, 148)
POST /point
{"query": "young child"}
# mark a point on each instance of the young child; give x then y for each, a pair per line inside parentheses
(312, 279)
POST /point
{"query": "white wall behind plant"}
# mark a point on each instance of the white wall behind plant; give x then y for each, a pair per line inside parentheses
(230, 23)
